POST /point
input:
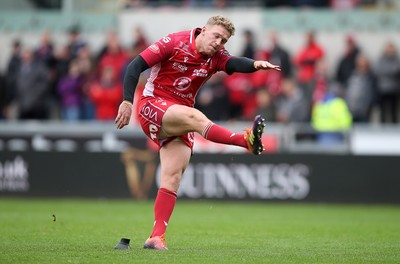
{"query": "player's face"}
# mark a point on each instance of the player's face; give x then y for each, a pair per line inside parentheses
(214, 38)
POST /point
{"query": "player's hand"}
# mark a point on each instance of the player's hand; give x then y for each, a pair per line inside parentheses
(124, 114)
(265, 65)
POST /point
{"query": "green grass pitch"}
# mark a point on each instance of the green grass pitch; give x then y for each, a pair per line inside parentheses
(85, 231)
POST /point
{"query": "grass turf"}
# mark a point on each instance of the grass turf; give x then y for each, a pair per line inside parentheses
(85, 231)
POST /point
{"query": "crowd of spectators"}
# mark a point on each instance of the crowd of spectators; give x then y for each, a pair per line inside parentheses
(73, 83)
(69, 82)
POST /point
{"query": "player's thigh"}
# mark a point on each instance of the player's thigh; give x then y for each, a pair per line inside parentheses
(174, 158)
(180, 119)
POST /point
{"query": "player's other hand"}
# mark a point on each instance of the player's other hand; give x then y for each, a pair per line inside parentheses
(124, 114)
(265, 65)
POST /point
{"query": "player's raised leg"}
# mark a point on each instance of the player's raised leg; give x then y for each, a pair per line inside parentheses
(179, 119)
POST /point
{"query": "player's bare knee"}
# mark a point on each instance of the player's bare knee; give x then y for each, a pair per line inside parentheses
(171, 182)
(196, 120)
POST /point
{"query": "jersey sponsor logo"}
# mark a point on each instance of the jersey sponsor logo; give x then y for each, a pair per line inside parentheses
(182, 45)
(161, 101)
(182, 83)
(150, 113)
(200, 73)
(179, 67)
(154, 48)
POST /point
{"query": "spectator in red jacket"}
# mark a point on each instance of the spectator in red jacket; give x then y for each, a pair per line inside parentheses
(114, 56)
(106, 95)
(305, 61)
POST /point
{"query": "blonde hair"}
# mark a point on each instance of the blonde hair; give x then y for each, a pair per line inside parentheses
(222, 21)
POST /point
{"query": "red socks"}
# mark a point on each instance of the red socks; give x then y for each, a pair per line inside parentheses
(163, 208)
(219, 134)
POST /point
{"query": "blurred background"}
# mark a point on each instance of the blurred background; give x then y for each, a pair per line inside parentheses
(333, 130)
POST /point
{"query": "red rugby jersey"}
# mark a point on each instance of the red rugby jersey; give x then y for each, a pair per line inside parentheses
(178, 69)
